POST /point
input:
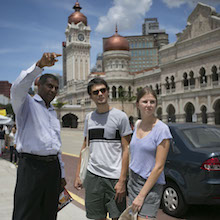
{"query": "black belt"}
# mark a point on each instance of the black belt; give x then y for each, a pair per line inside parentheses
(48, 158)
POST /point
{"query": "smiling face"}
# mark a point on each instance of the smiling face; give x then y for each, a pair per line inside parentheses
(147, 104)
(48, 90)
(99, 94)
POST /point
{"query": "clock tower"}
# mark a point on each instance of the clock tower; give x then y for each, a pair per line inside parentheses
(76, 49)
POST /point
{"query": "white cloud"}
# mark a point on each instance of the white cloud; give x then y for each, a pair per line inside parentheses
(125, 13)
(191, 3)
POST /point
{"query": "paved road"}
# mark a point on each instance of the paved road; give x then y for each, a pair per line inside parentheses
(72, 140)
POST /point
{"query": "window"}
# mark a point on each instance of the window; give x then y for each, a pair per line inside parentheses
(203, 77)
(185, 80)
(214, 74)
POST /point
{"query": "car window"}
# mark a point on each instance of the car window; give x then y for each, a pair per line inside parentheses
(203, 137)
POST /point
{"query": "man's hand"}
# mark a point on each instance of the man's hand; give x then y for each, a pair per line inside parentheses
(78, 183)
(62, 183)
(120, 190)
(48, 59)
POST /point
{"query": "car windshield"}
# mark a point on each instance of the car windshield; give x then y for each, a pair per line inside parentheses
(203, 137)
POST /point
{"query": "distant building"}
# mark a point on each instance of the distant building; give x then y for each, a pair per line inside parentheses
(76, 48)
(144, 48)
(185, 74)
(5, 87)
(151, 26)
(99, 64)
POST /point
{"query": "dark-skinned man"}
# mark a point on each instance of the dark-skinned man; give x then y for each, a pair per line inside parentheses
(40, 174)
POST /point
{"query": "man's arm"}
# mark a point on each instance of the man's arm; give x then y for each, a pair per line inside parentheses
(20, 87)
(63, 180)
(78, 183)
(120, 187)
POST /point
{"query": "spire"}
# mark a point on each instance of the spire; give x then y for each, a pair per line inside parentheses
(116, 28)
(77, 6)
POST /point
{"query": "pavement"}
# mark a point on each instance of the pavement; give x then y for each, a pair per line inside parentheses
(7, 184)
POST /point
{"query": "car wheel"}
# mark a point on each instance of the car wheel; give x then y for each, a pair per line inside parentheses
(172, 201)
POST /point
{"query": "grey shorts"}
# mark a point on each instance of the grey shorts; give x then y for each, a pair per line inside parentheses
(152, 200)
(100, 197)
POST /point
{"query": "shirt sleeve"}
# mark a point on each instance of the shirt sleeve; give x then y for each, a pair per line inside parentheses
(164, 133)
(86, 124)
(61, 165)
(125, 128)
(20, 87)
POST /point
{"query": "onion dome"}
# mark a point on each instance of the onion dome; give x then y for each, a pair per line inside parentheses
(77, 16)
(116, 42)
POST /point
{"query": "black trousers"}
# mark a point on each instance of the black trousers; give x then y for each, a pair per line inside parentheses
(37, 190)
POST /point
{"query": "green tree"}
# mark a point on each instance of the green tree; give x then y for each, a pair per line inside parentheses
(58, 105)
(124, 96)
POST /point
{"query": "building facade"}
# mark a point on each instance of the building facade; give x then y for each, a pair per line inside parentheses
(5, 87)
(185, 75)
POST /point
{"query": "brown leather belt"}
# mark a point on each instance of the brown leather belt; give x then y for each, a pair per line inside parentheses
(48, 158)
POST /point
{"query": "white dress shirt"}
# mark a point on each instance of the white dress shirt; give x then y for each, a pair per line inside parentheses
(38, 129)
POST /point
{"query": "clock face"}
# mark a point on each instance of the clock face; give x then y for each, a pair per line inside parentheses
(81, 37)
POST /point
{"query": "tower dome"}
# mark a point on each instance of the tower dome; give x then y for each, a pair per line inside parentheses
(116, 42)
(77, 16)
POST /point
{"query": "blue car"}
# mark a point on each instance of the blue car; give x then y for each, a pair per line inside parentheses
(192, 168)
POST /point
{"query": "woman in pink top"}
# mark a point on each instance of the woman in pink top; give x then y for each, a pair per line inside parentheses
(149, 148)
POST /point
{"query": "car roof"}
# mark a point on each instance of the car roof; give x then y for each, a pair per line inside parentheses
(186, 125)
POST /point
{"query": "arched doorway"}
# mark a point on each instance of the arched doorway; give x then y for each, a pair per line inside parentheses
(171, 113)
(70, 121)
(204, 114)
(189, 110)
(217, 112)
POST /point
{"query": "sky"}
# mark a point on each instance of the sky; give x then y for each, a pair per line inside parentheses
(28, 28)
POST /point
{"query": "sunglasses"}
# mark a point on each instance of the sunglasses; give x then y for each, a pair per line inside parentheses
(96, 92)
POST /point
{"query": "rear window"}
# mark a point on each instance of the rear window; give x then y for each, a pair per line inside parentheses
(203, 137)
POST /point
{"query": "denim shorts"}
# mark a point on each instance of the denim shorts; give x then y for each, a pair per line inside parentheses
(152, 200)
(100, 197)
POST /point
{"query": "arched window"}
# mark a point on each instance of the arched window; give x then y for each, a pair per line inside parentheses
(191, 79)
(167, 85)
(185, 80)
(113, 92)
(120, 92)
(69, 38)
(214, 74)
(203, 77)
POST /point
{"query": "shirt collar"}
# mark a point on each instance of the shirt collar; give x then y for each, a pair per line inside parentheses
(39, 99)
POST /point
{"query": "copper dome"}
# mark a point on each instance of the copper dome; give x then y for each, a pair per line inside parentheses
(116, 42)
(77, 16)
